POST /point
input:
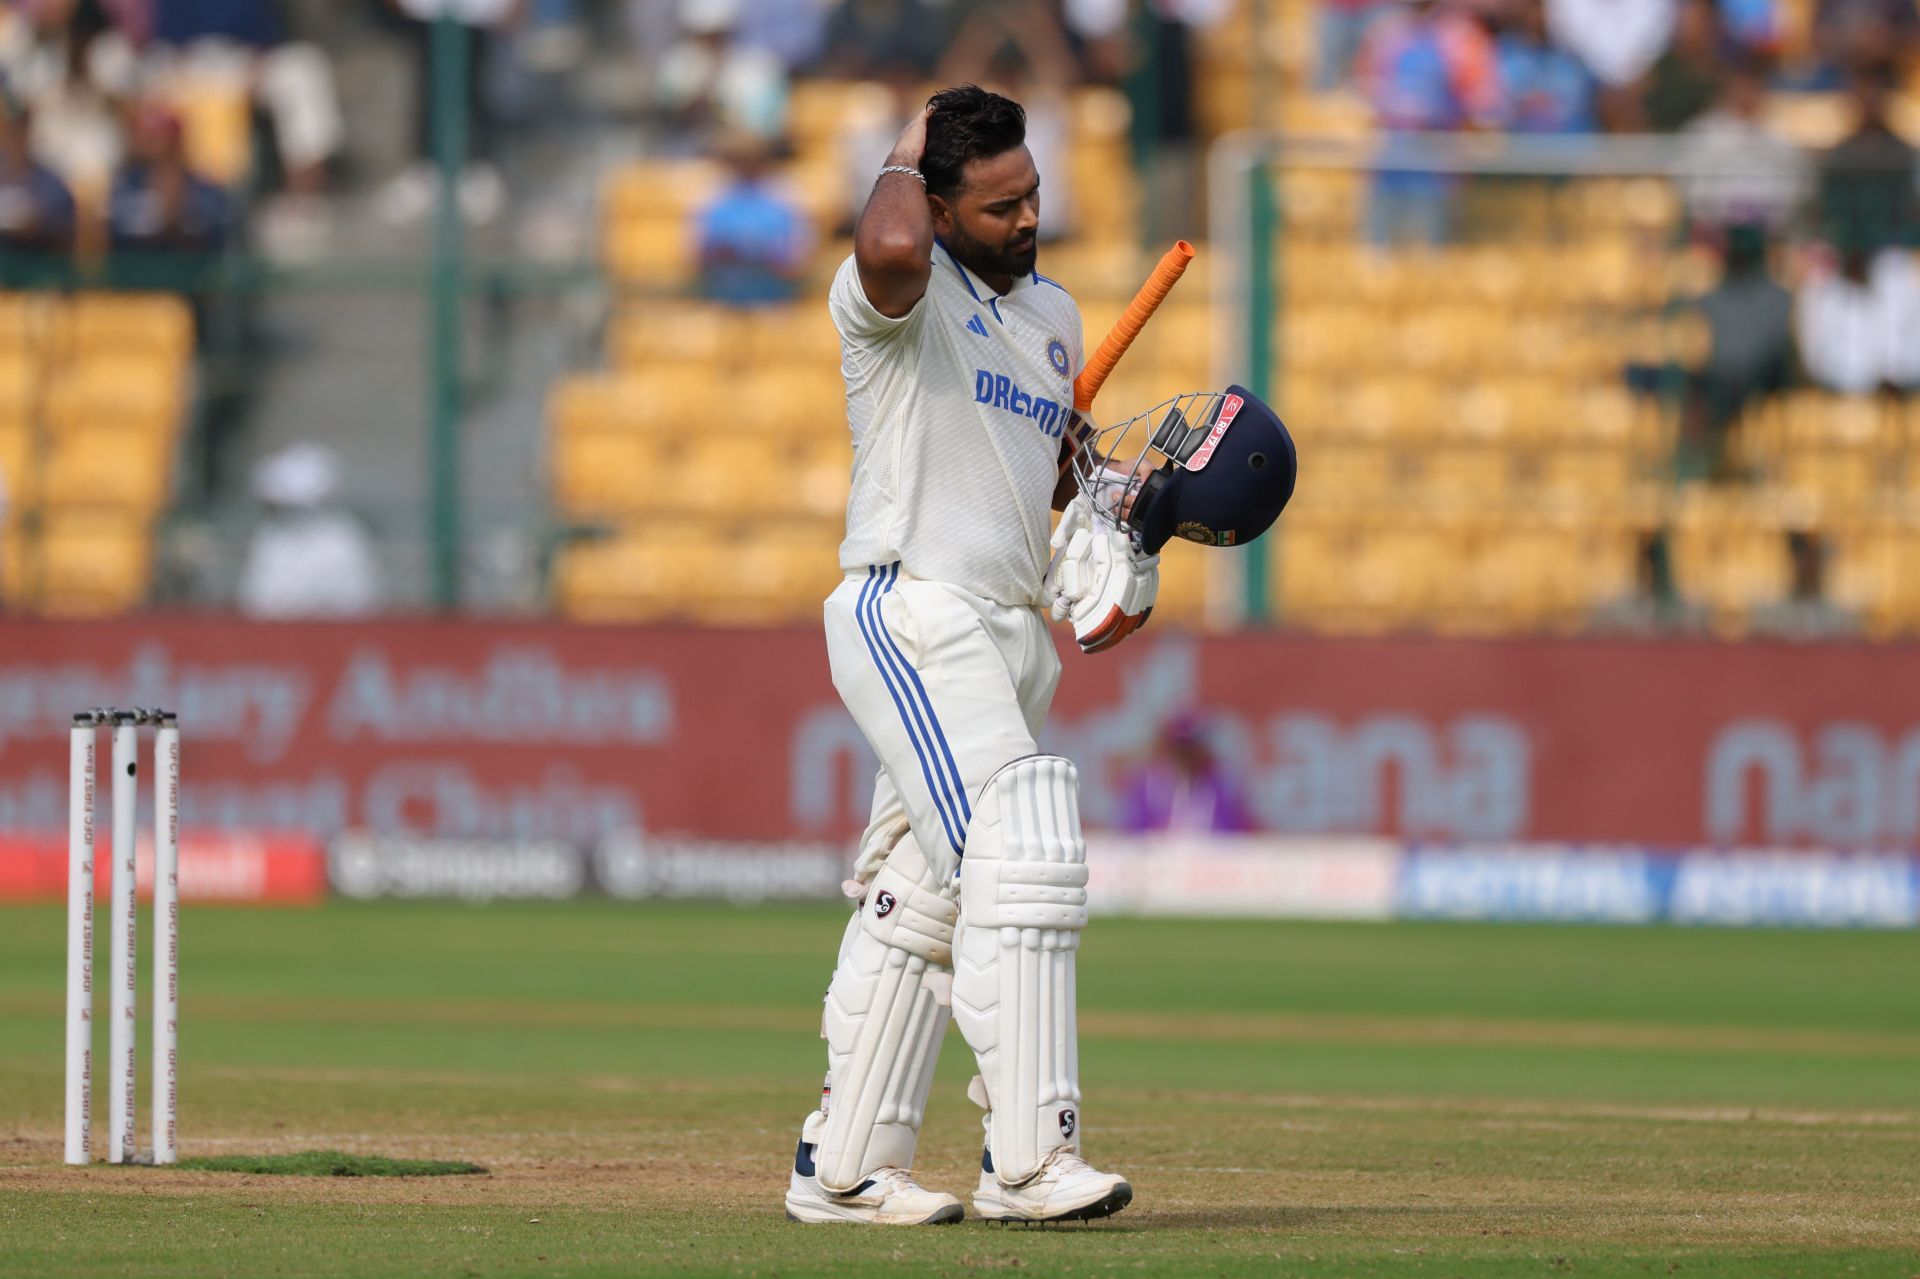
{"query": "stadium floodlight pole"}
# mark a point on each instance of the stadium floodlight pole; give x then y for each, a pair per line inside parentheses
(451, 49)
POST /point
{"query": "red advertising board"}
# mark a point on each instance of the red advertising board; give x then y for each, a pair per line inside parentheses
(215, 866)
(493, 730)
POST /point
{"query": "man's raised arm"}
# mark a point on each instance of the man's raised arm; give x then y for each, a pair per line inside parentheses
(893, 243)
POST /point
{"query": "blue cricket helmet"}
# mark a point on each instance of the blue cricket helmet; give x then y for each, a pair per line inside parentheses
(1215, 468)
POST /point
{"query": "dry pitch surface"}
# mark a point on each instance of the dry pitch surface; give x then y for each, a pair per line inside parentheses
(1288, 1098)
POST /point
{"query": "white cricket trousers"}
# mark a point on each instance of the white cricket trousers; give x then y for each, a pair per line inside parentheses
(948, 688)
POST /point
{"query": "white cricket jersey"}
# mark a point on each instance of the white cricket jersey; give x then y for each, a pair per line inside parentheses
(957, 410)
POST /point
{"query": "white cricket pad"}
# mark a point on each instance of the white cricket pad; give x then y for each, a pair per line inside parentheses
(1023, 904)
(886, 1013)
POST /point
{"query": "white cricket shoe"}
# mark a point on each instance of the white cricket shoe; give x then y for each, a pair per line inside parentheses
(888, 1197)
(1067, 1188)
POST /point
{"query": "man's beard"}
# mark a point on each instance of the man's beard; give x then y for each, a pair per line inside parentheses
(983, 261)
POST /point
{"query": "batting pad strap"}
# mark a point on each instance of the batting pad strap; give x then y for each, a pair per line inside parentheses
(997, 893)
(906, 911)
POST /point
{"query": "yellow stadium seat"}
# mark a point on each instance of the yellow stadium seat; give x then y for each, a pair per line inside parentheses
(20, 380)
(116, 389)
(26, 319)
(660, 189)
(604, 473)
(647, 571)
(674, 331)
(109, 467)
(663, 402)
(20, 466)
(1584, 479)
(156, 325)
(1837, 479)
(801, 335)
(1466, 476)
(19, 567)
(654, 250)
(93, 563)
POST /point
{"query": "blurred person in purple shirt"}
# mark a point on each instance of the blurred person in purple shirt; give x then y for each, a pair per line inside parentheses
(1183, 788)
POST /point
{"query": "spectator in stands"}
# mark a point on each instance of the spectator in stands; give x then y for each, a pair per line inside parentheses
(159, 204)
(867, 132)
(1159, 40)
(1739, 171)
(1806, 613)
(714, 83)
(1685, 80)
(1847, 33)
(1022, 52)
(793, 31)
(1544, 88)
(1859, 323)
(1182, 788)
(866, 36)
(753, 239)
(1755, 28)
(1749, 318)
(71, 61)
(36, 209)
(1859, 317)
(1342, 34)
(243, 47)
(1867, 182)
(1426, 68)
(308, 558)
(1653, 606)
(1618, 40)
(410, 196)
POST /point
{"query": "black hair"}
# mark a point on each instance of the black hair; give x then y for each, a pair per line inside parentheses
(968, 123)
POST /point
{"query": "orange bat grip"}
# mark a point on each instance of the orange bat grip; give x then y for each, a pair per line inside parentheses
(1128, 326)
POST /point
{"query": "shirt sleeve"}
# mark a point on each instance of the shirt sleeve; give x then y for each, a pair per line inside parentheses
(856, 318)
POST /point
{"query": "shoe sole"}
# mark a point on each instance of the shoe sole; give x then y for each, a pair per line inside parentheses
(1105, 1206)
(941, 1217)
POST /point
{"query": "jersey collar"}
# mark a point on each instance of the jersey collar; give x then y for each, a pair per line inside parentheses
(982, 293)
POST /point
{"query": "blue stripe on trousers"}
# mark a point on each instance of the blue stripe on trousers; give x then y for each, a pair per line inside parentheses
(910, 718)
(946, 752)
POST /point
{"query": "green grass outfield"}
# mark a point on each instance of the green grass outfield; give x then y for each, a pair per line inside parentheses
(1288, 1098)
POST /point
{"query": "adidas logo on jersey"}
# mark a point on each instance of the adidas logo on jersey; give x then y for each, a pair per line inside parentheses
(977, 325)
(999, 391)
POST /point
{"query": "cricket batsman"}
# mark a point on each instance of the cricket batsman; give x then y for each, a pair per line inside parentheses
(960, 360)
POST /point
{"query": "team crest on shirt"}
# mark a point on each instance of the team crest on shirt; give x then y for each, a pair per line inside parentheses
(1057, 356)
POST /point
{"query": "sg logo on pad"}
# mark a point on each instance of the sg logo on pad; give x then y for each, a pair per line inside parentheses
(883, 904)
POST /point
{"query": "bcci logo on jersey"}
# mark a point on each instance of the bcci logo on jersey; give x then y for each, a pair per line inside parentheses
(997, 390)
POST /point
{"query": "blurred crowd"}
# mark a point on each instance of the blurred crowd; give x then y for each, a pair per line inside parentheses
(1585, 66)
(190, 124)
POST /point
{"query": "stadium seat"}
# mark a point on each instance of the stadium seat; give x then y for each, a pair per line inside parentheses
(93, 563)
(19, 465)
(656, 251)
(109, 466)
(155, 325)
